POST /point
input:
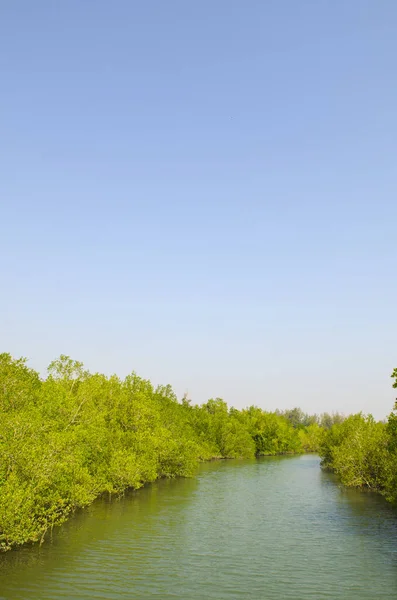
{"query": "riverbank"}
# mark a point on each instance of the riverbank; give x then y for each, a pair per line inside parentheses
(363, 452)
(68, 438)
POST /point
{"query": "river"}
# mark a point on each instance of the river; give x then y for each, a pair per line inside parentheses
(270, 529)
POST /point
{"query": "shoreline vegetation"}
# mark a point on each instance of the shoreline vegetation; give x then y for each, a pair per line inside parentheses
(362, 452)
(69, 438)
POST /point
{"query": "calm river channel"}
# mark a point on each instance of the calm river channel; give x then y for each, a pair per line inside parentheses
(273, 529)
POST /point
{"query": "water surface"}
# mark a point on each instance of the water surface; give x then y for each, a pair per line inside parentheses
(273, 529)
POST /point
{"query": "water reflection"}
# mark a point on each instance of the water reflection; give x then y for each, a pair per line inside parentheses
(273, 528)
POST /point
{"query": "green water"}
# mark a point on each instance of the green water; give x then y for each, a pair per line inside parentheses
(276, 528)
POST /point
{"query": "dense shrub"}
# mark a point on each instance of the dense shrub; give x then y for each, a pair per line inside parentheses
(363, 452)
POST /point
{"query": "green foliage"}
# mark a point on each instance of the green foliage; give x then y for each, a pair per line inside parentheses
(271, 432)
(357, 451)
(363, 452)
(18, 383)
(68, 438)
(327, 421)
(311, 437)
(301, 420)
(392, 422)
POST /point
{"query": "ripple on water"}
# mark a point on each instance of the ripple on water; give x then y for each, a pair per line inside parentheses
(276, 528)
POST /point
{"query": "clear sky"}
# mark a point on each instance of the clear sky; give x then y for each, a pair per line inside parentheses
(205, 193)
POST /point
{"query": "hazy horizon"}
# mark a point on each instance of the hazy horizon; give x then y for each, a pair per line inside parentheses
(204, 193)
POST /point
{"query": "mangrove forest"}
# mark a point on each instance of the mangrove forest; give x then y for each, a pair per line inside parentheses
(73, 436)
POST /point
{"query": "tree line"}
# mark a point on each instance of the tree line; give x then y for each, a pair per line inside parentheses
(68, 438)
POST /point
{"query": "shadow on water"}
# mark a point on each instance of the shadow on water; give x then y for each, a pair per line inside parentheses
(374, 515)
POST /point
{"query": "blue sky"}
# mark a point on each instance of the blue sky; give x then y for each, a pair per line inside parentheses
(205, 193)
